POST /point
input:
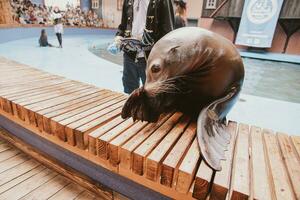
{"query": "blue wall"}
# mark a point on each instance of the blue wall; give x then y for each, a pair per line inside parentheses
(10, 34)
(85, 5)
(38, 2)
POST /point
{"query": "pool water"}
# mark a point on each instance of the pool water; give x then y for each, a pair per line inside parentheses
(270, 97)
(275, 80)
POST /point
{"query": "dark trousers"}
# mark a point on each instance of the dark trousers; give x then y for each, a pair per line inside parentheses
(133, 72)
(59, 38)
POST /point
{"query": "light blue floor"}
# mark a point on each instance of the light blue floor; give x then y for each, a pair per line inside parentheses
(271, 56)
(76, 62)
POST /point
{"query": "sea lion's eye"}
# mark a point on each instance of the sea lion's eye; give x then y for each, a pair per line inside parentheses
(155, 68)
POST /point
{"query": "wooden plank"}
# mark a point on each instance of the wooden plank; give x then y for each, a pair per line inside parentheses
(100, 100)
(32, 89)
(8, 154)
(10, 71)
(282, 188)
(296, 144)
(240, 174)
(260, 181)
(86, 196)
(29, 113)
(86, 96)
(78, 100)
(28, 96)
(28, 185)
(102, 141)
(109, 110)
(150, 143)
(82, 91)
(127, 149)
(93, 113)
(49, 94)
(291, 161)
(21, 112)
(11, 84)
(188, 168)
(92, 137)
(20, 179)
(29, 85)
(12, 162)
(64, 99)
(81, 133)
(43, 94)
(48, 189)
(33, 108)
(155, 158)
(58, 123)
(53, 114)
(114, 145)
(6, 104)
(16, 171)
(71, 191)
(32, 85)
(202, 181)
(171, 164)
(15, 80)
(222, 178)
(101, 191)
(18, 105)
(4, 147)
(8, 68)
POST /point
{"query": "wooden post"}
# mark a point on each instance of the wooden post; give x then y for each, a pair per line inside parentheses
(5, 10)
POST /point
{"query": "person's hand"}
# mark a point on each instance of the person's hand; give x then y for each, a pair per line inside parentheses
(118, 40)
(114, 48)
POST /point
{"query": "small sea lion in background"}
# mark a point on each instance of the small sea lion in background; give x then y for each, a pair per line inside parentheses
(199, 73)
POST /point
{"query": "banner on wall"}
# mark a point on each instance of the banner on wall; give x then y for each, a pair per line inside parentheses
(258, 23)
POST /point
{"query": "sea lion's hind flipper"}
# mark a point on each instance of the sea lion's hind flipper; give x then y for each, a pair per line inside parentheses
(212, 136)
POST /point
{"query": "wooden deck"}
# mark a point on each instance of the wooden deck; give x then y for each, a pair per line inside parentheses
(24, 178)
(163, 156)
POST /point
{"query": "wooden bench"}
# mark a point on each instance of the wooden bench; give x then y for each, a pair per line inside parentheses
(162, 156)
(23, 177)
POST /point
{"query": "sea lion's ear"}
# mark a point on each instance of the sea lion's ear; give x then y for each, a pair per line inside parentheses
(174, 49)
(173, 55)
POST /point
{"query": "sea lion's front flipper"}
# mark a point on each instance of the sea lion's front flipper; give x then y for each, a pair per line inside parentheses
(211, 131)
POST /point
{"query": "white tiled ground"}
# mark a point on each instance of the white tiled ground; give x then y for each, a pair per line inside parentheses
(76, 62)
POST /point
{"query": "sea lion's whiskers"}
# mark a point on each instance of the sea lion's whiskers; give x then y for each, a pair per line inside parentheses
(167, 86)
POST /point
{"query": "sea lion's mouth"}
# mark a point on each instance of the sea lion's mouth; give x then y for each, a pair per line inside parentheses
(140, 106)
(150, 101)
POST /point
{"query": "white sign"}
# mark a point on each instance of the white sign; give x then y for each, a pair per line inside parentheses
(258, 22)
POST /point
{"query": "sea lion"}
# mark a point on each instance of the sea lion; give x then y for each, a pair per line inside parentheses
(199, 73)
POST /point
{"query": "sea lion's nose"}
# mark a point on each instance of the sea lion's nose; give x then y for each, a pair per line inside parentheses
(155, 68)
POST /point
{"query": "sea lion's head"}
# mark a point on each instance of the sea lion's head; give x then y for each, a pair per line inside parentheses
(164, 80)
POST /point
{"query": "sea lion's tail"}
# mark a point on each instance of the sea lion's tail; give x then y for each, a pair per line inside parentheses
(211, 131)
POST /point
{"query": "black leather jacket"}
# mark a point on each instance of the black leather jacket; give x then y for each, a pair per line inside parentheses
(159, 21)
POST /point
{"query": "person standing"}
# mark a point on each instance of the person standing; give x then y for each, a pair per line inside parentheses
(180, 14)
(58, 25)
(146, 21)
